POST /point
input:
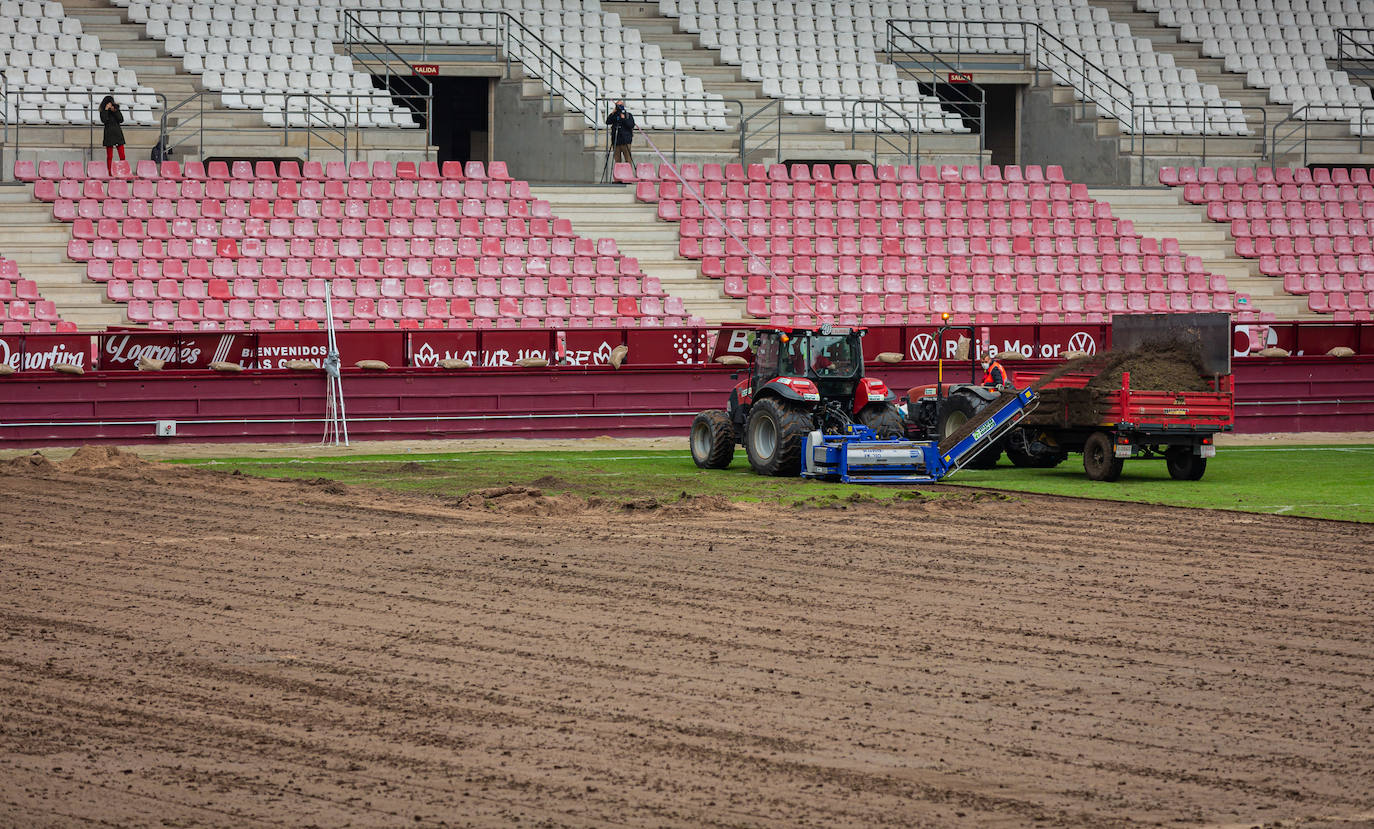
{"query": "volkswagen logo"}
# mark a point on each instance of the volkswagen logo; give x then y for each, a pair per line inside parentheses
(1083, 341)
(924, 347)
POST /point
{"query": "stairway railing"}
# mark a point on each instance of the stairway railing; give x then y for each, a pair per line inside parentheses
(1294, 135)
(1355, 54)
(944, 79)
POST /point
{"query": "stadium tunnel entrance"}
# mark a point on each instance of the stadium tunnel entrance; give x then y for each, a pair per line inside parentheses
(462, 114)
(1001, 119)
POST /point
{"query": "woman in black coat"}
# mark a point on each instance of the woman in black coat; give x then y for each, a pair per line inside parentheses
(111, 117)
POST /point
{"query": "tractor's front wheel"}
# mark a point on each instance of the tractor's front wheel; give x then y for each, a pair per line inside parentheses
(883, 419)
(713, 439)
(774, 437)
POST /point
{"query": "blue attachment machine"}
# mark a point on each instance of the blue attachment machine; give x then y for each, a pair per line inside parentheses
(859, 456)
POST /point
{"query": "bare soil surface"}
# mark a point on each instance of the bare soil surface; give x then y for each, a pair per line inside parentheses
(185, 647)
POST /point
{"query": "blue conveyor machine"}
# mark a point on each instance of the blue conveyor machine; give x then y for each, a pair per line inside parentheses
(860, 457)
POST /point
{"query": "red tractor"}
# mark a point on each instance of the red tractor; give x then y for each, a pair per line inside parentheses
(800, 381)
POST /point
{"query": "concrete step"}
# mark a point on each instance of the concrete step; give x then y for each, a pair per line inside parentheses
(612, 211)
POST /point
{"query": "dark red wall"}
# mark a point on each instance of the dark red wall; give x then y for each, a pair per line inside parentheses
(43, 409)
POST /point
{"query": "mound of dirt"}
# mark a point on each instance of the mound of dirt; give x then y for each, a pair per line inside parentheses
(327, 485)
(1155, 365)
(37, 462)
(91, 458)
(550, 482)
(524, 500)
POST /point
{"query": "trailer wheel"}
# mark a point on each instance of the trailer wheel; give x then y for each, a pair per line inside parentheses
(958, 410)
(1099, 459)
(883, 419)
(1020, 455)
(713, 439)
(774, 437)
(1183, 464)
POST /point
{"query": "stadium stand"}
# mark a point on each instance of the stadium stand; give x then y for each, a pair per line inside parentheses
(406, 245)
(1283, 47)
(900, 245)
(22, 308)
(791, 46)
(56, 74)
(1310, 228)
(257, 55)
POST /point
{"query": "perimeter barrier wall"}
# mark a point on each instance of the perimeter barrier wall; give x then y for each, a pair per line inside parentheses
(666, 377)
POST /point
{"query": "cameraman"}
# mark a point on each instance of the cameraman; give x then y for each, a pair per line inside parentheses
(622, 125)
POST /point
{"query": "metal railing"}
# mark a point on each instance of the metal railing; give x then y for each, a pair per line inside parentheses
(365, 44)
(1095, 85)
(1355, 54)
(1202, 112)
(892, 127)
(1099, 93)
(326, 119)
(1294, 133)
(967, 94)
(429, 30)
(23, 113)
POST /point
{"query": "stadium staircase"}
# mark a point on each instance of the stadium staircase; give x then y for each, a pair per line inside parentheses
(613, 212)
(229, 132)
(38, 244)
(1163, 213)
(1334, 143)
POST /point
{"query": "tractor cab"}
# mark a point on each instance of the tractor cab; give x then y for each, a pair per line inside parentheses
(832, 361)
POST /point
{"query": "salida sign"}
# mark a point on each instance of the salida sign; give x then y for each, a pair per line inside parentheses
(37, 352)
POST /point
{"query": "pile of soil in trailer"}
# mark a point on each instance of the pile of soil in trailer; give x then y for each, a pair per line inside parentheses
(982, 416)
(1155, 365)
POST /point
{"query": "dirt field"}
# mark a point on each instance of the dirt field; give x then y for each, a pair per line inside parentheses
(192, 648)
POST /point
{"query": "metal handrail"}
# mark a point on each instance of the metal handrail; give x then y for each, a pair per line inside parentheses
(420, 87)
(884, 111)
(1301, 119)
(767, 120)
(1206, 137)
(1111, 93)
(506, 30)
(1358, 53)
(17, 101)
(512, 30)
(311, 129)
(6, 170)
(894, 33)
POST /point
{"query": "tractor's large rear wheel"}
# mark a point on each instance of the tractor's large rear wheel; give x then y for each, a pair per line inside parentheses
(774, 437)
(883, 419)
(958, 410)
(713, 439)
(1099, 458)
(1183, 464)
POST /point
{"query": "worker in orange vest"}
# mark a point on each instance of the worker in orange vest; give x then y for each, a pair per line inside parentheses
(993, 373)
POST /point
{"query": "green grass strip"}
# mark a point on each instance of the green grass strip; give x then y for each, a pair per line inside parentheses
(1335, 482)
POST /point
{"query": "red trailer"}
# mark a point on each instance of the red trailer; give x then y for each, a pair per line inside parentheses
(1109, 426)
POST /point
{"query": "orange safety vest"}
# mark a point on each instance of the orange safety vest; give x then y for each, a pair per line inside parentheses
(995, 375)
